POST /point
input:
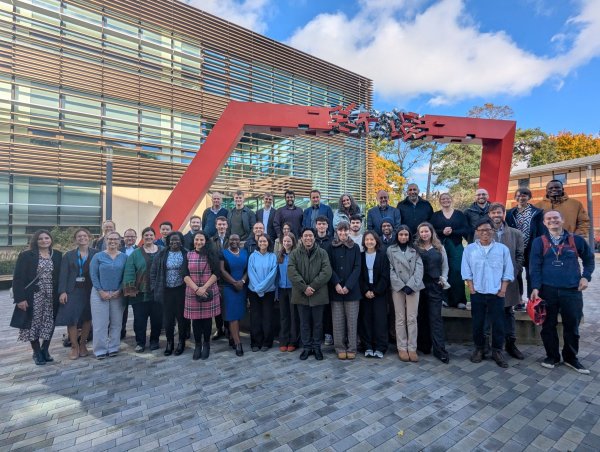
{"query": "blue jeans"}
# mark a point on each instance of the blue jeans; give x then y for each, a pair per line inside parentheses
(491, 305)
(569, 302)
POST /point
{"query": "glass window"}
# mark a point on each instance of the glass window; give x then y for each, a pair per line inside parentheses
(82, 114)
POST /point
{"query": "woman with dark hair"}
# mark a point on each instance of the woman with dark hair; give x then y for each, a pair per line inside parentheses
(202, 296)
(166, 279)
(262, 271)
(451, 226)
(234, 271)
(347, 208)
(285, 230)
(289, 321)
(35, 284)
(136, 286)
(374, 284)
(406, 277)
(435, 278)
(106, 299)
(75, 287)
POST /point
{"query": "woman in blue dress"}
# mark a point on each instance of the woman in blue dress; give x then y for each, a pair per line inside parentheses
(234, 268)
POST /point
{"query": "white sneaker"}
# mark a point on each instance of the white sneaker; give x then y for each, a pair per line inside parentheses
(369, 353)
(328, 339)
(444, 304)
(378, 354)
(462, 306)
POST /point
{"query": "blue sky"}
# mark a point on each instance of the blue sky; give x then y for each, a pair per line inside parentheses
(540, 57)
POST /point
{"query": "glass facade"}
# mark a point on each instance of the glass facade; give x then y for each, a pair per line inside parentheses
(78, 80)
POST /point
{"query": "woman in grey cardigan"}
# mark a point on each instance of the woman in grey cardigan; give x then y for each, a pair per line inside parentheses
(406, 276)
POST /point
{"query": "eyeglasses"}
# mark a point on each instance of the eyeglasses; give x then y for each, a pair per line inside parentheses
(130, 237)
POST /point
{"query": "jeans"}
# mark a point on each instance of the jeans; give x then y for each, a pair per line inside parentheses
(141, 312)
(173, 304)
(481, 306)
(289, 333)
(261, 319)
(311, 325)
(510, 326)
(569, 303)
(106, 321)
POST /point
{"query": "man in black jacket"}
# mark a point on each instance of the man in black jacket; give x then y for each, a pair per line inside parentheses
(414, 210)
(477, 211)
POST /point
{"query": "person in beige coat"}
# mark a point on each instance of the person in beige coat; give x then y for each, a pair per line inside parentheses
(577, 220)
(406, 276)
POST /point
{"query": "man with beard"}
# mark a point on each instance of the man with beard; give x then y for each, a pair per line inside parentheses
(376, 214)
(477, 211)
(414, 210)
(195, 226)
(289, 213)
(387, 233)
(355, 232)
(576, 219)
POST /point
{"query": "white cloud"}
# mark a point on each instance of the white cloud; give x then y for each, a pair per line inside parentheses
(439, 50)
(249, 14)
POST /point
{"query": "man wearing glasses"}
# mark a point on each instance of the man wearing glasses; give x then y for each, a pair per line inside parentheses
(478, 210)
(376, 214)
(487, 268)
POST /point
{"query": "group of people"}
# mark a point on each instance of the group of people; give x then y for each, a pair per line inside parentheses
(335, 282)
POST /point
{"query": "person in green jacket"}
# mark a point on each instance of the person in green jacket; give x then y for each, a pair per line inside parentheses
(309, 271)
(136, 286)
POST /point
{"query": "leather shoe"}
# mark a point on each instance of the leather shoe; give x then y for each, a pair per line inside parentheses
(197, 352)
(239, 351)
(205, 351)
(499, 358)
(477, 356)
(180, 348)
(169, 348)
(305, 354)
(512, 350)
(154, 345)
(318, 354)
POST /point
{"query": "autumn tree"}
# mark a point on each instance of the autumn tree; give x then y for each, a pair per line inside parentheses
(534, 147)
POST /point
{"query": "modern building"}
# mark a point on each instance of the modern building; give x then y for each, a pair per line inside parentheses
(142, 83)
(572, 173)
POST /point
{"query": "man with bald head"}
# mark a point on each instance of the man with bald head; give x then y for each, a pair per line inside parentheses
(478, 210)
(383, 210)
(414, 210)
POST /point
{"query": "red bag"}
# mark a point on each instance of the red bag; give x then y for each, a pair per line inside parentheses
(537, 311)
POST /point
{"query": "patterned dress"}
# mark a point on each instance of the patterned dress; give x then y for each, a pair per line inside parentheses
(42, 321)
(200, 271)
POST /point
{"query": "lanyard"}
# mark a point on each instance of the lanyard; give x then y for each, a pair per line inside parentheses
(80, 262)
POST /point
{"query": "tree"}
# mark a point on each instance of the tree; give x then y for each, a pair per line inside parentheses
(387, 173)
(491, 111)
(571, 145)
(534, 147)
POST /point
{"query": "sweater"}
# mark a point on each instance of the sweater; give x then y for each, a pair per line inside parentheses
(414, 214)
(544, 273)
(262, 271)
(106, 272)
(209, 219)
(292, 216)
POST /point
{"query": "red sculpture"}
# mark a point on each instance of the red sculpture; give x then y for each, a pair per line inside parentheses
(496, 137)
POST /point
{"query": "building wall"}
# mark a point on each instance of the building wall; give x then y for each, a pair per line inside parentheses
(145, 81)
(575, 185)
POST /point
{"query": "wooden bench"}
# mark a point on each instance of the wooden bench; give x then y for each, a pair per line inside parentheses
(458, 327)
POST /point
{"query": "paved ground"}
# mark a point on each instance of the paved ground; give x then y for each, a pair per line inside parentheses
(267, 401)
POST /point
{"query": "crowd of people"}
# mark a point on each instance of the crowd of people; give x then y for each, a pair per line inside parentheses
(336, 283)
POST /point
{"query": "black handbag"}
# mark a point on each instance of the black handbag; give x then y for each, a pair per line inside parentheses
(205, 298)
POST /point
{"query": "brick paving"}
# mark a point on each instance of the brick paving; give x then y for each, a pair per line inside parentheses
(273, 401)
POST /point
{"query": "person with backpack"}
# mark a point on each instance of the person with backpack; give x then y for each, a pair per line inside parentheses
(557, 278)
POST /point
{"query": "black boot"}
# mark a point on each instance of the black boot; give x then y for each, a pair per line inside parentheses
(512, 350)
(45, 353)
(197, 352)
(205, 350)
(169, 348)
(499, 358)
(38, 357)
(180, 348)
(239, 351)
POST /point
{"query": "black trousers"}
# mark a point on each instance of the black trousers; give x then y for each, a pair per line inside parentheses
(173, 304)
(261, 319)
(219, 322)
(569, 303)
(125, 317)
(289, 320)
(327, 324)
(374, 328)
(202, 329)
(429, 320)
(311, 325)
(141, 313)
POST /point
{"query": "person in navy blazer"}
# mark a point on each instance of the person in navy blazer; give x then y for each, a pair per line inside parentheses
(317, 209)
(266, 215)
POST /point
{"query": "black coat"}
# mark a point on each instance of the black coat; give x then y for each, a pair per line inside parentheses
(345, 266)
(25, 272)
(474, 214)
(270, 226)
(413, 215)
(158, 273)
(381, 274)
